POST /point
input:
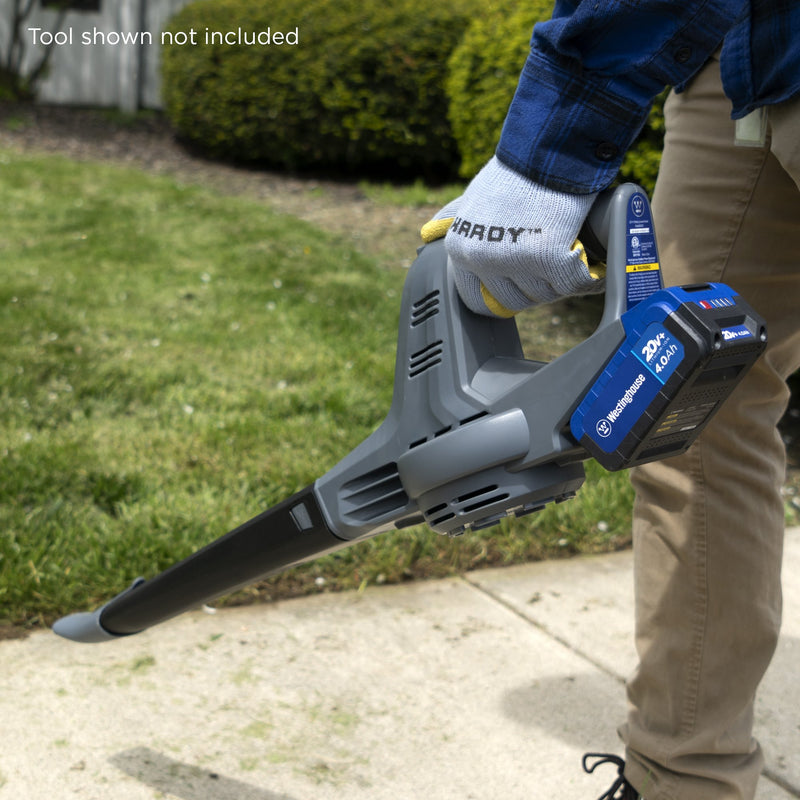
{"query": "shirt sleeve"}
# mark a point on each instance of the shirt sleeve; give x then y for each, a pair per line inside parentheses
(590, 79)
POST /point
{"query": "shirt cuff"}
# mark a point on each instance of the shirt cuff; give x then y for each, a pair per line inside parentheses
(567, 130)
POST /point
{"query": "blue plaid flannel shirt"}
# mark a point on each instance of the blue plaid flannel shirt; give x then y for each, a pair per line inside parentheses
(595, 67)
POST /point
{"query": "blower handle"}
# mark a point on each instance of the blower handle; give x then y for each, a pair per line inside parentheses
(619, 231)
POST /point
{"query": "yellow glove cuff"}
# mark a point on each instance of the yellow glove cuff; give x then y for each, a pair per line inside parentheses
(435, 229)
(494, 305)
(597, 271)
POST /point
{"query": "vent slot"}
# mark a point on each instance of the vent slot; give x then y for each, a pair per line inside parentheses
(479, 498)
(438, 514)
(425, 308)
(487, 501)
(476, 493)
(374, 494)
(424, 359)
(443, 431)
(465, 504)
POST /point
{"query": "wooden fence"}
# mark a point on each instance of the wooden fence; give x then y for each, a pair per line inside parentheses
(104, 55)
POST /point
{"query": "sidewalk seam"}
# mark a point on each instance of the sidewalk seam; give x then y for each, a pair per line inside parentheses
(466, 577)
(779, 781)
(766, 774)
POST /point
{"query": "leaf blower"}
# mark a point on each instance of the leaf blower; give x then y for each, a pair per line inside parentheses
(477, 432)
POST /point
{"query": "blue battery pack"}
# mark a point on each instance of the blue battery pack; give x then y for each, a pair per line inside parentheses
(685, 350)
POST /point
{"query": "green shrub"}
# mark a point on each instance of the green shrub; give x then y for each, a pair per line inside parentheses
(482, 74)
(363, 88)
(643, 159)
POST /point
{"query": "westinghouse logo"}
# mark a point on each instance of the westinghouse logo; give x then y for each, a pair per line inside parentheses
(603, 428)
(626, 399)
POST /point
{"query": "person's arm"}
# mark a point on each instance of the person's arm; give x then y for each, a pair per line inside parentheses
(583, 96)
(590, 79)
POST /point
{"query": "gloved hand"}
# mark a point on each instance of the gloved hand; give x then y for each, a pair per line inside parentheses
(514, 243)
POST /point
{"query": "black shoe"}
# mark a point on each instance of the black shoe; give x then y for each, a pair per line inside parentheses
(621, 790)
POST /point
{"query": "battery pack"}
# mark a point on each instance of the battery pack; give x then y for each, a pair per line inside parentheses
(686, 349)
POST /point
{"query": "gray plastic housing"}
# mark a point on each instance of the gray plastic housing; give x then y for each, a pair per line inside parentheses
(475, 431)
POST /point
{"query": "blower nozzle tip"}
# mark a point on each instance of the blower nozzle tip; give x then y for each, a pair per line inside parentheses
(83, 627)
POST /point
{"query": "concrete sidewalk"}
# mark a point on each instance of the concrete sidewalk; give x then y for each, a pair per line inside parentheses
(490, 686)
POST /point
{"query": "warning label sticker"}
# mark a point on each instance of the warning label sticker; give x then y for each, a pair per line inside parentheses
(643, 272)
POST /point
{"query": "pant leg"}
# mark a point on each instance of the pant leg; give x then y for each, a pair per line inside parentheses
(708, 525)
(785, 123)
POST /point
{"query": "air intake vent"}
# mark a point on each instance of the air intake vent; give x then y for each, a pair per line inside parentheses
(424, 359)
(425, 308)
(466, 504)
(480, 499)
(374, 494)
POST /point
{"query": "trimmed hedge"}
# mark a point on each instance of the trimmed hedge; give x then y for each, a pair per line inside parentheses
(482, 74)
(363, 88)
(643, 159)
(390, 89)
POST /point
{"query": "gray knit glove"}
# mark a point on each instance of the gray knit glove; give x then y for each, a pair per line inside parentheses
(513, 243)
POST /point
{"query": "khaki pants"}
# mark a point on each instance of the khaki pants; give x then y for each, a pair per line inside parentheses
(708, 525)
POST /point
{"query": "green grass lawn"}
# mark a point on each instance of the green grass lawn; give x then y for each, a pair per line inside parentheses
(173, 362)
